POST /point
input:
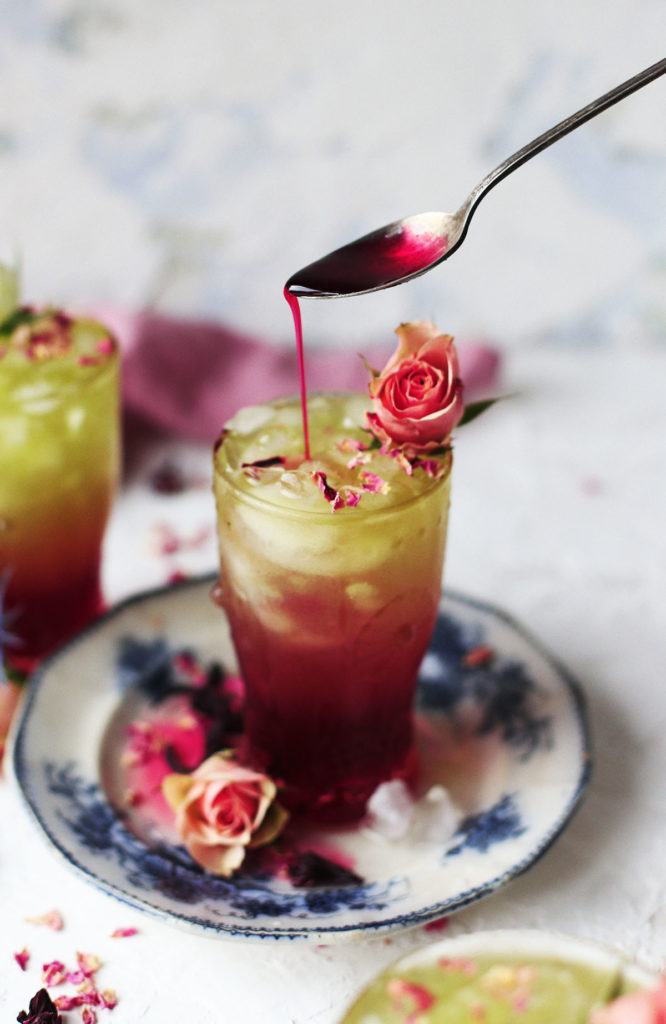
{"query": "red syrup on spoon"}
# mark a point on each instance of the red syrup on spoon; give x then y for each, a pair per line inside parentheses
(381, 259)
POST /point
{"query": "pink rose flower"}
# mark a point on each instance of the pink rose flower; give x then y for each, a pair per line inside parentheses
(418, 396)
(222, 808)
(647, 1006)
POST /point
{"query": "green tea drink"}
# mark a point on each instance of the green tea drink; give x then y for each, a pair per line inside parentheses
(468, 991)
(59, 459)
(330, 575)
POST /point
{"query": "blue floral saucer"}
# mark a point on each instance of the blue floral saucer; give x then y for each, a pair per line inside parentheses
(502, 727)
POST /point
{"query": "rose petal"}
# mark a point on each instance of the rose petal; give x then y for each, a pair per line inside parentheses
(52, 919)
(374, 484)
(409, 997)
(175, 788)
(22, 958)
(219, 860)
(275, 820)
(109, 998)
(88, 963)
(53, 973)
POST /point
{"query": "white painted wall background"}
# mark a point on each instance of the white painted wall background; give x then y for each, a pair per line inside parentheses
(191, 155)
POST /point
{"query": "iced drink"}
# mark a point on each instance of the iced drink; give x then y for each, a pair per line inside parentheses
(495, 991)
(59, 458)
(330, 575)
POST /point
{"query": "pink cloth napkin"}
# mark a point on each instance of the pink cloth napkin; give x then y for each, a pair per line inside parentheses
(190, 376)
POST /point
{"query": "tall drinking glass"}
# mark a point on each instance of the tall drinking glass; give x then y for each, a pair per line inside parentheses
(59, 461)
(331, 612)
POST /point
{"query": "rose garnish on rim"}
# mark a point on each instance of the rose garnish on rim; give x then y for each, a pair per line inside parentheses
(418, 396)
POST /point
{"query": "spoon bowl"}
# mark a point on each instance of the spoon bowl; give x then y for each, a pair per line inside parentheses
(409, 247)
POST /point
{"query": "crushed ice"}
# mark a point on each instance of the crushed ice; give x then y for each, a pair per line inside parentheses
(394, 814)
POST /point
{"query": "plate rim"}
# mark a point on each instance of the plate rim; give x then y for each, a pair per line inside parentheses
(412, 919)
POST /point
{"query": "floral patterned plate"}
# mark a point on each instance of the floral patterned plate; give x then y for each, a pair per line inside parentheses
(501, 726)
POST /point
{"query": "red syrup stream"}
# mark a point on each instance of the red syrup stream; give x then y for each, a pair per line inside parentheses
(296, 313)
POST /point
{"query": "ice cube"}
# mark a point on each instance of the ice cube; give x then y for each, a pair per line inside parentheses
(390, 810)
(292, 485)
(436, 817)
(363, 596)
(250, 418)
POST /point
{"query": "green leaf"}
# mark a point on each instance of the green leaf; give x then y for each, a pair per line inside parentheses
(18, 316)
(371, 370)
(374, 444)
(475, 409)
(10, 674)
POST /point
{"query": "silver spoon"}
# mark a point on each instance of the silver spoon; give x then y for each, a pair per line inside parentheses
(407, 248)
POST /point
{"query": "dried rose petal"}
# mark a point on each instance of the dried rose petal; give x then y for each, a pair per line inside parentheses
(310, 869)
(88, 963)
(457, 963)
(51, 919)
(349, 496)
(187, 665)
(350, 444)
(409, 998)
(432, 467)
(479, 656)
(143, 743)
(42, 1010)
(402, 460)
(373, 483)
(332, 496)
(361, 459)
(88, 992)
(105, 346)
(109, 998)
(88, 1015)
(168, 542)
(124, 933)
(86, 995)
(53, 973)
(273, 460)
(76, 977)
(22, 958)
(177, 576)
(69, 1002)
(438, 925)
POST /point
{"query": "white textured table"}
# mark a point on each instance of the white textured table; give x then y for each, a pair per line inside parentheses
(559, 510)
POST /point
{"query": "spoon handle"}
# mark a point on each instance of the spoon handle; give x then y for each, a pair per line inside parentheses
(563, 128)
